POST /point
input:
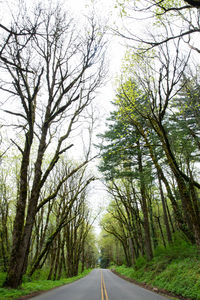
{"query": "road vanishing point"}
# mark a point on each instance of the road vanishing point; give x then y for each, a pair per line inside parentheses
(100, 284)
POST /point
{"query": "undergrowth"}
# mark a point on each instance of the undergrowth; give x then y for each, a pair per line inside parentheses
(175, 269)
(29, 287)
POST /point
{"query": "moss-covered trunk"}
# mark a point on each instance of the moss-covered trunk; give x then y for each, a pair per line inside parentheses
(148, 245)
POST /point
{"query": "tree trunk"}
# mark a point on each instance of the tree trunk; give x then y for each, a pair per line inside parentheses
(154, 237)
(57, 256)
(148, 246)
(83, 258)
(170, 218)
(166, 221)
(161, 231)
(181, 179)
(181, 224)
(132, 251)
(14, 275)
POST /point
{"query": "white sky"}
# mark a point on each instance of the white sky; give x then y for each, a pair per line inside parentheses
(98, 197)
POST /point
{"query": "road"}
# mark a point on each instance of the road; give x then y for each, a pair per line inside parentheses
(100, 284)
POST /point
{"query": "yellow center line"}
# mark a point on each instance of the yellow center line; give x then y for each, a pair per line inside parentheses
(103, 288)
(102, 297)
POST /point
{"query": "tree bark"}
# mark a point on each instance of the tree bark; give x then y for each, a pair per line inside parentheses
(148, 245)
(166, 221)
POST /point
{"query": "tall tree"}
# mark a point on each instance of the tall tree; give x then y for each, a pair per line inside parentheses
(54, 83)
(159, 88)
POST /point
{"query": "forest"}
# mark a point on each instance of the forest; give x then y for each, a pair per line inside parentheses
(51, 70)
(150, 152)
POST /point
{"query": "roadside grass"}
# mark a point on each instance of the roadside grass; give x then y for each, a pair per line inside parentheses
(29, 287)
(175, 269)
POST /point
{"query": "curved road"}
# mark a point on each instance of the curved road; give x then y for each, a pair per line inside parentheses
(100, 284)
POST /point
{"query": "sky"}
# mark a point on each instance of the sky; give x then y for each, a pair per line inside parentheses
(98, 197)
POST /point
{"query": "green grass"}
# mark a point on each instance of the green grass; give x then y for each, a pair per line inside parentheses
(175, 269)
(34, 286)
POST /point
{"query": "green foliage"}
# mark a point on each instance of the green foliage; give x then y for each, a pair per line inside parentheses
(110, 248)
(35, 286)
(180, 249)
(165, 6)
(121, 5)
(140, 262)
(2, 278)
(181, 277)
(175, 269)
(40, 274)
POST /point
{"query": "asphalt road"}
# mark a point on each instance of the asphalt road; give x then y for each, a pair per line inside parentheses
(100, 284)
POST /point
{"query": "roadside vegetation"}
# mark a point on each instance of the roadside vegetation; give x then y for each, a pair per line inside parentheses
(35, 285)
(175, 269)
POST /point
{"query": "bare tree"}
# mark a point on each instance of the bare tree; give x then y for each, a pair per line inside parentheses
(70, 196)
(24, 30)
(160, 22)
(60, 68)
